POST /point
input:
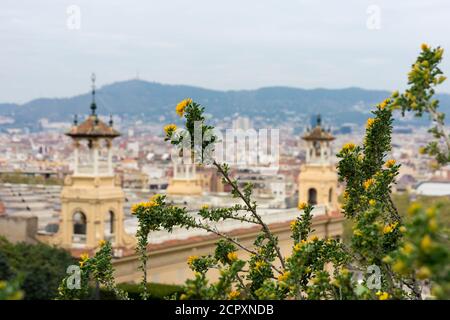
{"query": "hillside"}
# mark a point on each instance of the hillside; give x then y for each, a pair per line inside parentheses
(150, 100)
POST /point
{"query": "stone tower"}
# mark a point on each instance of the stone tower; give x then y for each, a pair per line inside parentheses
(185, 181)
(318, 180)
(92, 198)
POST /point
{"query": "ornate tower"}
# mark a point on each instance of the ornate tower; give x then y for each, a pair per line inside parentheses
(185, 181)
(92, 199)
(318, 178)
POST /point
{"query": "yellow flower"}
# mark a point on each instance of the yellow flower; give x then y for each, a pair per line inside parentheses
(346, 195)
(383, 104)
(372, 202)
(399, 267)
(149, 204)
(390, 227)
(293, 224)
(134, 208)
(18, 295)
(302, 205)
(298, 247)
(402, 229)
(387, 259)
(155, 197)
(284, 276)
(348, 147)
(313, 238)
(233, 295)
(432, 224)
(336, 283)
(191, 260)
(424, 47)
(431, 212)
(357, 233)
(370, 122)
(390, 163)
(315, 280)
(414, 208)
(259, 264)
(407, 248)
(423, 273)
(182, 105)
(426, 243)
(183, 297)
(101, 243)
(169, 129)
(422, 150)
(344, 271)
(387, 229)
(368, 183)
(383, 295)
(232, 256)
(84, 256)
(205, 207)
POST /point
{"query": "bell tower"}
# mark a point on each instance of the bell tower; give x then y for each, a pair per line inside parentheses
(185, 181)
(318, 180)
(92, 198)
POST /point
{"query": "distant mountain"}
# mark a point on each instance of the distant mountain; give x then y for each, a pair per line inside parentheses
(150, 100)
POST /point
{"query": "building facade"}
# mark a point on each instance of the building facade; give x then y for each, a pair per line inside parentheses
(318, 179)
(92, 199)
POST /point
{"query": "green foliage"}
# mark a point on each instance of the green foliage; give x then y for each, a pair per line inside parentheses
(39, 267)
(403, 202)
(155, 291)
(10, 290)
(424, 252)
(379, 236)
(98, 270)
(152, 216)
(423, 78)
(21, 178)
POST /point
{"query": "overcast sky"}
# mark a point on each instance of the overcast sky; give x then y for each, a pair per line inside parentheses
(46, 51)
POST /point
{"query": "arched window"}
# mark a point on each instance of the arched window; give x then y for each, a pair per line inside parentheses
(312, 196)
(79, 223)
(109, 222)
(330, 195)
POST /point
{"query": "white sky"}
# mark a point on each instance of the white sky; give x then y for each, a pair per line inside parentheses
(232, 44)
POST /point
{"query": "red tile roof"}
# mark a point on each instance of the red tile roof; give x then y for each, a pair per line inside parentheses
(317, 133)
(93, 127)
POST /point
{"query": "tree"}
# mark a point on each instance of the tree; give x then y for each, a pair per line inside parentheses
(37, 268)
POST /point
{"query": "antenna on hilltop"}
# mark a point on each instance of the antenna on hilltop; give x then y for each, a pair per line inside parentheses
(93, 105)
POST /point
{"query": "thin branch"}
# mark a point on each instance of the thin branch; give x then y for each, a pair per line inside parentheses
(249, 293)
(223, 235)
(253, 211)
(439, 124)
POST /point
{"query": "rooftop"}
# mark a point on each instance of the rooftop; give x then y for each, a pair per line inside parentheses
(93, 127)
(318, 133)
